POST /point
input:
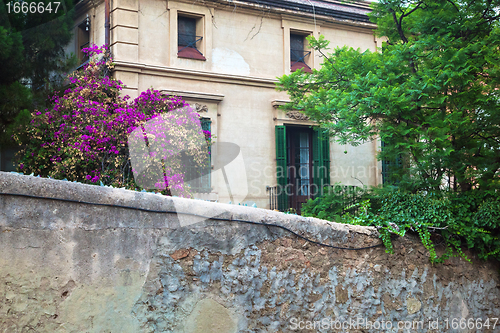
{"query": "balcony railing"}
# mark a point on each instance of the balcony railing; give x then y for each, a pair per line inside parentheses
(298, 56)
(186, 41)
(273, 197)
(350, 196)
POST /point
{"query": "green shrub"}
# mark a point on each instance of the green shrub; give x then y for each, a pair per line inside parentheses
(471, 218)
(328, 207)
(477, 221)
(339, 200)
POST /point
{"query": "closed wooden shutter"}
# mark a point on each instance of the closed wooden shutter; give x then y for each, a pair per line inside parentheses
(321, 159)
(325, 141)
(281, 170)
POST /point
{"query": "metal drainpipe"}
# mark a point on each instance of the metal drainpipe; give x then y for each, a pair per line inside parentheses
(107, 27)
(107, 24)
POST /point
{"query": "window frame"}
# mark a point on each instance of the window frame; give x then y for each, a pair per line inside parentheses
(82, 31)
(204, 182)
(203, 14)
(304, 28)
(195, 52)
(390, 167)
(305, 62)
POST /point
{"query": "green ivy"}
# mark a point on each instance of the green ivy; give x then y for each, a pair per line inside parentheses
(469, 219)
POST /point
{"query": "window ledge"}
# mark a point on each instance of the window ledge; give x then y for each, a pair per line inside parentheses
(298, 65)
(190, 53)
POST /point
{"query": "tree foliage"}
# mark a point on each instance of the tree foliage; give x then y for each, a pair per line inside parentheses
(32, 59)
(445, 221)
(451, 219)
(430, 94)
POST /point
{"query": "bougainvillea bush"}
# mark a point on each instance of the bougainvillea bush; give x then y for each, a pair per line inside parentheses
(83, 136)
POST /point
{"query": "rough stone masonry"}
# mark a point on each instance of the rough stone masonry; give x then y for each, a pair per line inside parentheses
(75, 267)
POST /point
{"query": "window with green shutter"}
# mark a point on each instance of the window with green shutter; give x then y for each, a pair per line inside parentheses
(201, 181)
(321, 159)
(281, 167)
(302, 165)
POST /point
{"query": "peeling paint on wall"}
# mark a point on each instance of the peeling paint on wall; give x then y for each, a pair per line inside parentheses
(228, 61)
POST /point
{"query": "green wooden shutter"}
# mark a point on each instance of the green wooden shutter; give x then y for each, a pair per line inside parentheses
(281, 171)
(317, 152)
(321, 159)
(325, 141)
(206, 182)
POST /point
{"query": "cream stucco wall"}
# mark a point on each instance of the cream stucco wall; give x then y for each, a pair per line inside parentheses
(246, 50)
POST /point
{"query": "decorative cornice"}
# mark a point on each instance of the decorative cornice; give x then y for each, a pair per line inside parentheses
(291, 114)
(330, 11)
(194, 95)
(296, 115)
(200, 108)
(279, 102)
(291, 117)
(194, 74)
(335, 10)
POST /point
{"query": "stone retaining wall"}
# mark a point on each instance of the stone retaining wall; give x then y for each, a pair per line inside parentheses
(73, 267)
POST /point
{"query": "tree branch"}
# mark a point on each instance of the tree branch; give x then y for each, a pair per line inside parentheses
(454, 5)
(398, 26)
(411, 11)
(331, 62)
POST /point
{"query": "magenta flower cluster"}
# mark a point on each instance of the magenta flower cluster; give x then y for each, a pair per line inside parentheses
(83, 136)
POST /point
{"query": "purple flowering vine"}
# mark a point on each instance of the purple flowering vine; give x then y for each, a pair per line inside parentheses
(83, 136)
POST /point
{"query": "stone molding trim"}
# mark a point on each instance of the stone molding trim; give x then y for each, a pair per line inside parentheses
(289, 117)
(194, 74)
(194, 95)
(279, 102)
(288, 121)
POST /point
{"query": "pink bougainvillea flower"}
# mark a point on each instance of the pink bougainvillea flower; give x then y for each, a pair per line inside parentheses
(84, 133)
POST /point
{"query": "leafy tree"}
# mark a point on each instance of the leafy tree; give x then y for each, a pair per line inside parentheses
(32, 59)
(430, 94)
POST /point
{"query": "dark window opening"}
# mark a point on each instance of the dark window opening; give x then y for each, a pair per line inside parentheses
(298, 54)
(188, 42)
(83, 40)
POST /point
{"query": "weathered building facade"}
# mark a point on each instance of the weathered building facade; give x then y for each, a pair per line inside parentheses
(224, 57)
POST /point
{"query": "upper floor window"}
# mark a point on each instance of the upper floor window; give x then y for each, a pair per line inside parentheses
(298, 54)
(190, 37)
